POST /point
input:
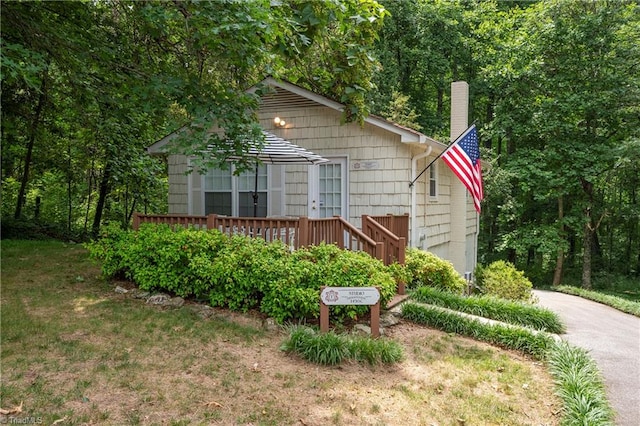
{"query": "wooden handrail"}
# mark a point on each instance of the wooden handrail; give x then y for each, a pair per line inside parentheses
(169, 219)
(397, 224)
(395, 247)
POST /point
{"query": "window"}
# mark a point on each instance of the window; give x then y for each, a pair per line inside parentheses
(231, 195)
(331, 189)
(433, 181)
(217, 196)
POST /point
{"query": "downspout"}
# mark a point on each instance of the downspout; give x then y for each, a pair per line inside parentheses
(414, 208)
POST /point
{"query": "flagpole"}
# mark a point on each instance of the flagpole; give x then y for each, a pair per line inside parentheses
(441, 154)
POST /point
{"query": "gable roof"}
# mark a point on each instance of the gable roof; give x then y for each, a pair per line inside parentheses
(290, 96)
(298, 97)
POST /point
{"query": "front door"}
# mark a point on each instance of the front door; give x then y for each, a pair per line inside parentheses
(328, 189)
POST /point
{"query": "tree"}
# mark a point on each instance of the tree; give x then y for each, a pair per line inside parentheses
(571, 91)
(127, 72)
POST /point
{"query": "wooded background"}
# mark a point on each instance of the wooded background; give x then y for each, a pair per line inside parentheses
(555, 92)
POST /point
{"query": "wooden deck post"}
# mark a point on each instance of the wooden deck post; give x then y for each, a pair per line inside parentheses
(401, 260)
(211, 222)
(380, 254)
(374, 319)
(302, 239)
(136, 221)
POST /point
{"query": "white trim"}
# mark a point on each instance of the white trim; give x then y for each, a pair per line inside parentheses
(313, 187)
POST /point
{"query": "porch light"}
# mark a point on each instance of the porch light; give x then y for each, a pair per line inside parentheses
(279, 122)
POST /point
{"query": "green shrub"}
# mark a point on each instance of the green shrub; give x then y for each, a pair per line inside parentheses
(331, 348)
(502, 279)
(511, 312)
(111, 249)
(245, 270)
(427, 269)
(296, 293)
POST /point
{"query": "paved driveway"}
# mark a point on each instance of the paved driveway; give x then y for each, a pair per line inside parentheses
(613, 341)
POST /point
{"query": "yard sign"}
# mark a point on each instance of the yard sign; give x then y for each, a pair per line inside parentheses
(331, 296)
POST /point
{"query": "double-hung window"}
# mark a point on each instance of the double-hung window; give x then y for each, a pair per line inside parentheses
(433, 181)
(232, 195)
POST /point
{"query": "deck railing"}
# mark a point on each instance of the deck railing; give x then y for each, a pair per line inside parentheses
(376, 240)
(294, 232)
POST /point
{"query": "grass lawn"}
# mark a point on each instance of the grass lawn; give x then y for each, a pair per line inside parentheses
(73, 351)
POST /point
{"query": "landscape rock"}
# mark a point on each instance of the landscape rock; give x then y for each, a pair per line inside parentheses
(389, 320)
(270, 324)
(142, 295)
(121, 290)
(204, 311)
(365, 329)
(174, 302)
(158, 299)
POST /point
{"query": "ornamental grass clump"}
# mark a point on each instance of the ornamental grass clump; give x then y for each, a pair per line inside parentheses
(627, 306)
(331, 348)
(491, 307)
(510, 337)
(580, 386)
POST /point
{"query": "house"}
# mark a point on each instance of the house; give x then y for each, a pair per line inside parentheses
(369, 172)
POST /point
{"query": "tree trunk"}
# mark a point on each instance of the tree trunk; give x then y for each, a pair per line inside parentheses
(102, 198)
(89, 192)
(557, 273)
(586, 252)
(69, 189)
(32, 139)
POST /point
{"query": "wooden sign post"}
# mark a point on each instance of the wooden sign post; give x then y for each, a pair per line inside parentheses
(330, 296)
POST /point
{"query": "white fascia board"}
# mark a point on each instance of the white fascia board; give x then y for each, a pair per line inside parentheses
(158, 147)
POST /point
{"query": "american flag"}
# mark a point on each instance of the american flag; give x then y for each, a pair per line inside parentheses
(463, 157)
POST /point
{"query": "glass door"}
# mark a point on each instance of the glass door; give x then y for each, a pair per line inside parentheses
(328, 189)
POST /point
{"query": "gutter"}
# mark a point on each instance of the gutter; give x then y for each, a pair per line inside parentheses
(414, 208)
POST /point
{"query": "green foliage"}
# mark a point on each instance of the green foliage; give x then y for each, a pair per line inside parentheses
(510, 337)
(158, 257)
(296, 294)
(239, 272)
(86, 86)
(110, 249)
(628, 306)
(490, 307)
(427, 269)
(579, 386)
(332, 349)
(245, 270)
(502, 279)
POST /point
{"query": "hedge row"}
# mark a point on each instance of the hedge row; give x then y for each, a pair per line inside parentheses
(239, 272)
